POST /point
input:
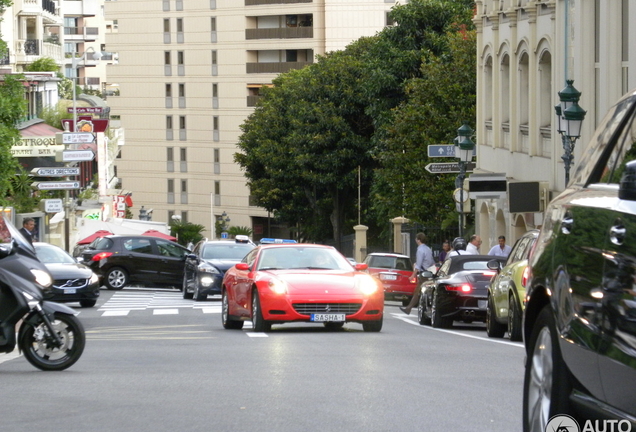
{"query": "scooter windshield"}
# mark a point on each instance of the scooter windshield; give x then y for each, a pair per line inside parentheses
(9, 232)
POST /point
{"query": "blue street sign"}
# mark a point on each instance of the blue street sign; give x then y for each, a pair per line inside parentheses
(441, 150)
(444, 150)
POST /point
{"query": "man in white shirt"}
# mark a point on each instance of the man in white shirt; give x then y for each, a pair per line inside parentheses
(424, 260)
(501, 249)
(473, 245)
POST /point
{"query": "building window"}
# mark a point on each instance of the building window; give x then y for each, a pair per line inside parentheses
(215, 96)
(213, 30)
(182, 102)
(184, 191)
(215, 128)
(166, 5)
(183, 152)
(168, 95)
(166, 30)
(180, 30)
(170, 214)
(217, 193)
(178, 5)
(180, 63)
(170, 191)
(184, 217)
(170, 159)
(215, 66)
(212, 4)
(167, 63)
(169, 128)
(217, 161)
(182, 128)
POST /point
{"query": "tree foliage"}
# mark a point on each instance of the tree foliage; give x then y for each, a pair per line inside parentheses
(370, 109)
(12, 108)
(43, 64)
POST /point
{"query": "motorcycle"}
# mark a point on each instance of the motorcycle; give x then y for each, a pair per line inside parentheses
(50, 336)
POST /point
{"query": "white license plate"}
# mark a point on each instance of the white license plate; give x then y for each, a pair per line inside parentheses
(327, 317)
(388, 277)
(481, 304)
(70, 291)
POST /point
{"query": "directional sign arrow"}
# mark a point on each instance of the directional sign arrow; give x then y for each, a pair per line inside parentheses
(55, 172)
(75, 138)
(441, 150)
(61, 185)
(74, 155)
(451, 167)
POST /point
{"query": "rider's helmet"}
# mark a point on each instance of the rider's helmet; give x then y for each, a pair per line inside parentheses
(459, 243)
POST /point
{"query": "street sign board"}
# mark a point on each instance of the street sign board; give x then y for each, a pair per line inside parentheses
(451, 167)
(75, 138)
(53, 205)
(441, 150)
(74, 155)
(55, 172)
(444, 150)
(56, 185)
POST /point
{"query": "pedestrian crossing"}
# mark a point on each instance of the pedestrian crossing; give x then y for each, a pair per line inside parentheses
(160, 303)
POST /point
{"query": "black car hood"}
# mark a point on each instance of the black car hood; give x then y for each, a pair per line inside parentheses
(69, 271)
(222, 264)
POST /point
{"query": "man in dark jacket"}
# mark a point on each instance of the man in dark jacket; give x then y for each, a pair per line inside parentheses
(28, 229)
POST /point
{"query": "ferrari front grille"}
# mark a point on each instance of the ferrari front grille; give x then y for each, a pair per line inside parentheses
(314, 308)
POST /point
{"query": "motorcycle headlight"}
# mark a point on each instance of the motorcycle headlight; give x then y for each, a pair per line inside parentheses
(42, 278)
(366, 284)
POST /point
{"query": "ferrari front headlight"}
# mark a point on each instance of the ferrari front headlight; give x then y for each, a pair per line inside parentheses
(278, 286)
(366, 284)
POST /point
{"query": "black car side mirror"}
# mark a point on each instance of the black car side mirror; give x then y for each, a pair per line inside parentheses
(627, 189)
(494, 265)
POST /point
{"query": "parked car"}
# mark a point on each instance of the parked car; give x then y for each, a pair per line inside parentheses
(207, 264)
(395, 271)
(282, 283)
(457, 292)
(123, 259)
(580, 317)
(72, 281)
(507, 290)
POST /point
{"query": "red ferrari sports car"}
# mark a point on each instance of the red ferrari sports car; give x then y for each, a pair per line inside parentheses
(279, 283)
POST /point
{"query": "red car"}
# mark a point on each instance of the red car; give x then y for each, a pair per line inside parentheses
(279, 283)
(395, 271)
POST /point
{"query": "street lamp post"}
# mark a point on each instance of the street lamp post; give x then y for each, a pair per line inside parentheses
(464, 147)
(569, 120)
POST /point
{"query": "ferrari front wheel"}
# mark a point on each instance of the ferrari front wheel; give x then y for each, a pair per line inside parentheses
(260, 325)
(372, 326)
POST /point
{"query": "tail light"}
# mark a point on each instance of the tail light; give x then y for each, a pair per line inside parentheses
(413, 279)
(461, 287)
(524, 277)
(101, 256)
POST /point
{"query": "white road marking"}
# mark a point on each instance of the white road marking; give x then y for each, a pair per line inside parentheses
(116, 313)
(165, 312)
(256, 335)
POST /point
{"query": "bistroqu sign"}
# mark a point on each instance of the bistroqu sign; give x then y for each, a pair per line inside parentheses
(36, 147)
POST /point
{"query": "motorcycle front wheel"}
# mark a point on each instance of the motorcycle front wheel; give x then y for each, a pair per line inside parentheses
(40, 349)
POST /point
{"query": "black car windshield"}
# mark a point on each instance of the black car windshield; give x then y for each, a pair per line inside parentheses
(101, 243)
(233, 251)
(53, 255)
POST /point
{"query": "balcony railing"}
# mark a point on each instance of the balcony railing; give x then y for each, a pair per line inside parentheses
(280, 67)
(4, 57)
(266, 2)
(279, 33)
(32, 47)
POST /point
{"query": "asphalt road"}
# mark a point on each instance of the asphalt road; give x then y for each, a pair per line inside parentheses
(156, 362)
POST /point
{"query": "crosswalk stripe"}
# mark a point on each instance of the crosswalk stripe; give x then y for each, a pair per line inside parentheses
(161, 303)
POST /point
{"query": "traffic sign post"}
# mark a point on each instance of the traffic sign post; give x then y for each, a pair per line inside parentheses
(75, 138)
(55, 172)
(443, 150)
(52, 205)
(450, 167)
(56, 185)
(74, 156)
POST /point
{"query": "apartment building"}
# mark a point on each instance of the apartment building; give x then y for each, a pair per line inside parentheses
(189, 74)
(526, 51)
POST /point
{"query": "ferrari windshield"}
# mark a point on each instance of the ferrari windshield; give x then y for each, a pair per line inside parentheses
(302, 257)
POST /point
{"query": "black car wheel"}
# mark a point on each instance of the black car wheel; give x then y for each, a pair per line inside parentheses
(260, 325)
(186, 295)
(116, 278)
(225, 315)
(197, 294)
(87, 303)
(514, 320)
(422, 318)
(437, 320)
(547, 383)
(372, 326)
(493, 328)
